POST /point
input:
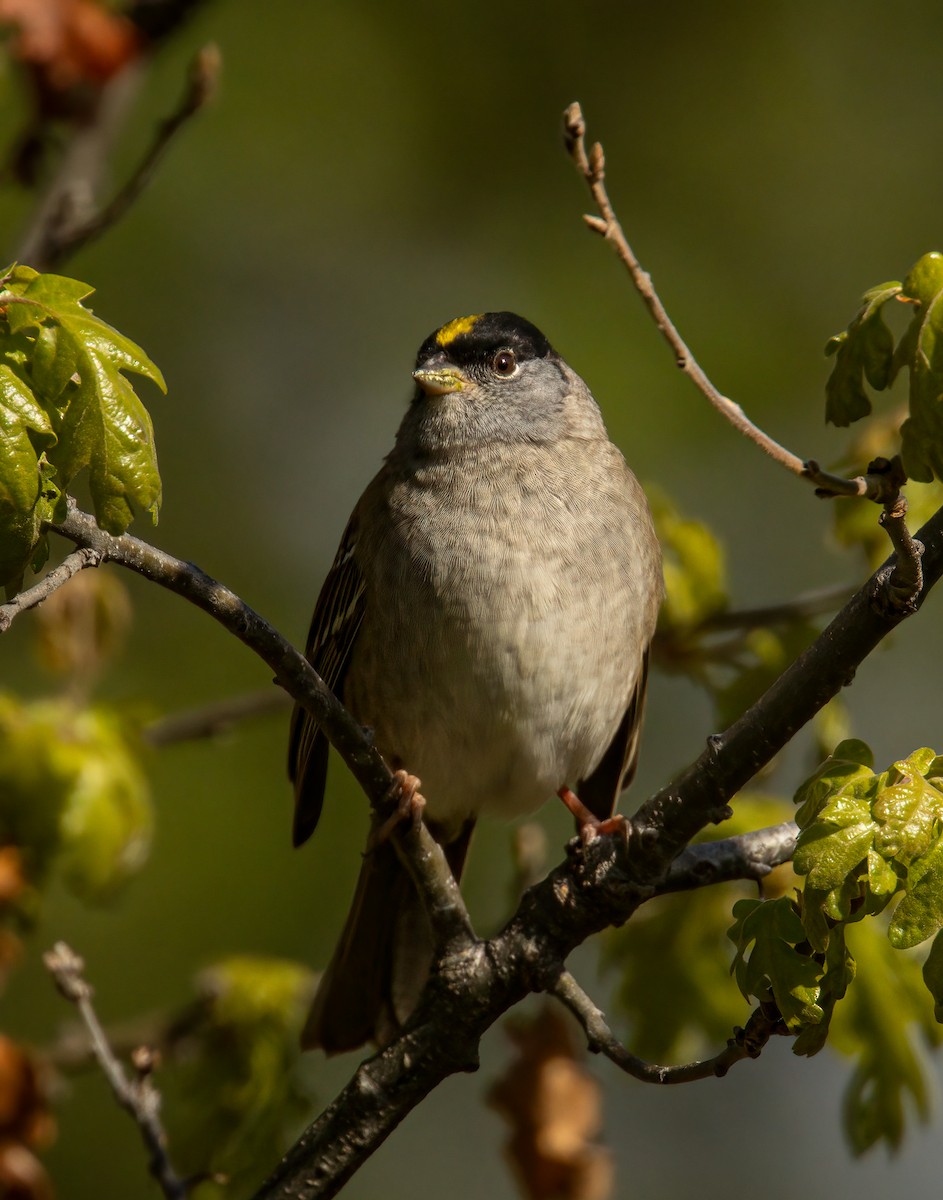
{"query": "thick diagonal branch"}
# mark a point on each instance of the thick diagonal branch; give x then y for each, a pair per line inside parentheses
(601, 885)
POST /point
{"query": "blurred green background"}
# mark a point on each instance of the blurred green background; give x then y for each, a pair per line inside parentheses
(368, 172)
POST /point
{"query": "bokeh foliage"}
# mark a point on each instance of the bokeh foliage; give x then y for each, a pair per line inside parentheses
(354, 272)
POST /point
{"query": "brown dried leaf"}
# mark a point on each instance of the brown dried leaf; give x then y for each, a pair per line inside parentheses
(24, 1112)
(22, 1175)
(554, 1108)
(69, 42)
(13, 881)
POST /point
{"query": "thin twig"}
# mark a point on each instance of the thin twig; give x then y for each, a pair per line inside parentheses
(808, 604)
(200, 88)
(593, 168)
(745, 1043)
(77, 561)
(211, 720)
(449, 922)
(905, 582)
(68, 216)
(71, 193)
(138, 1096)
(592, 165)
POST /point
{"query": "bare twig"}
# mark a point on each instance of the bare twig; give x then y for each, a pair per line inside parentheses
(68, 216)
(77, 561)
(137, 1096)
(70, 197)
(906, 580)
(745, 1043)
(592, 165)
(211, 720)
(804, 606)
(199, 90)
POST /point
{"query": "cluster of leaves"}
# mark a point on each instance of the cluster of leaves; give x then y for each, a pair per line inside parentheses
(853, 520)
(870, 844)
(671, 960)
(72, 791)
(698, 634)
(74, 797)
(236, 1088)
(866, 353)
(66, 405)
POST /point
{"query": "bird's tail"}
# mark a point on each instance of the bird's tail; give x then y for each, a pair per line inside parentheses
(382, 960)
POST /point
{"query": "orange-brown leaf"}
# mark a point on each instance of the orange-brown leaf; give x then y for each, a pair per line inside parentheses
(554, 1108)
(69, 42)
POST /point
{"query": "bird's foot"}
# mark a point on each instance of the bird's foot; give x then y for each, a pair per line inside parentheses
(589, 825)
(404, 795)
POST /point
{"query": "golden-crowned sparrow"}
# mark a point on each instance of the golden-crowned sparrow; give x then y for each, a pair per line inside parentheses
(488, 616)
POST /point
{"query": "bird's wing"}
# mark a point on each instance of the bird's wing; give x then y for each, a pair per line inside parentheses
(337, 617)
(616, 769)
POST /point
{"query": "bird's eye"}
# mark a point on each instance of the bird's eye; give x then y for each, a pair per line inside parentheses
(504, 363)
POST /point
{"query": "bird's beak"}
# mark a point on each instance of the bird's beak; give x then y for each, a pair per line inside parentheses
(439, 382)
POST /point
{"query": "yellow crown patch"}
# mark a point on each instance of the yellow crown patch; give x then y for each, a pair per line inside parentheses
(448, 333)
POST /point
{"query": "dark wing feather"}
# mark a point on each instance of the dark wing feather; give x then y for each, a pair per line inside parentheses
(600, 791)
(334, 626)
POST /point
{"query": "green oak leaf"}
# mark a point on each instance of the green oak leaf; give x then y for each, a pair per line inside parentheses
(920, 914)
(933, 975)
(864, 837)
(865, 351)
(695, 570)
(774, 930)
(850, 761)
(875, 1027)
(921, 351)
(64, 393)
(839, 971)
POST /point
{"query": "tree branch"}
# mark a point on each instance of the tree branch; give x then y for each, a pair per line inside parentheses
(600, 884)
(68, 216)
(138, 1097)
(66, 236)
(745, 1043)
(746, 856)
(210, 720)
(905, 582)
(667, 821)
(77, 561)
